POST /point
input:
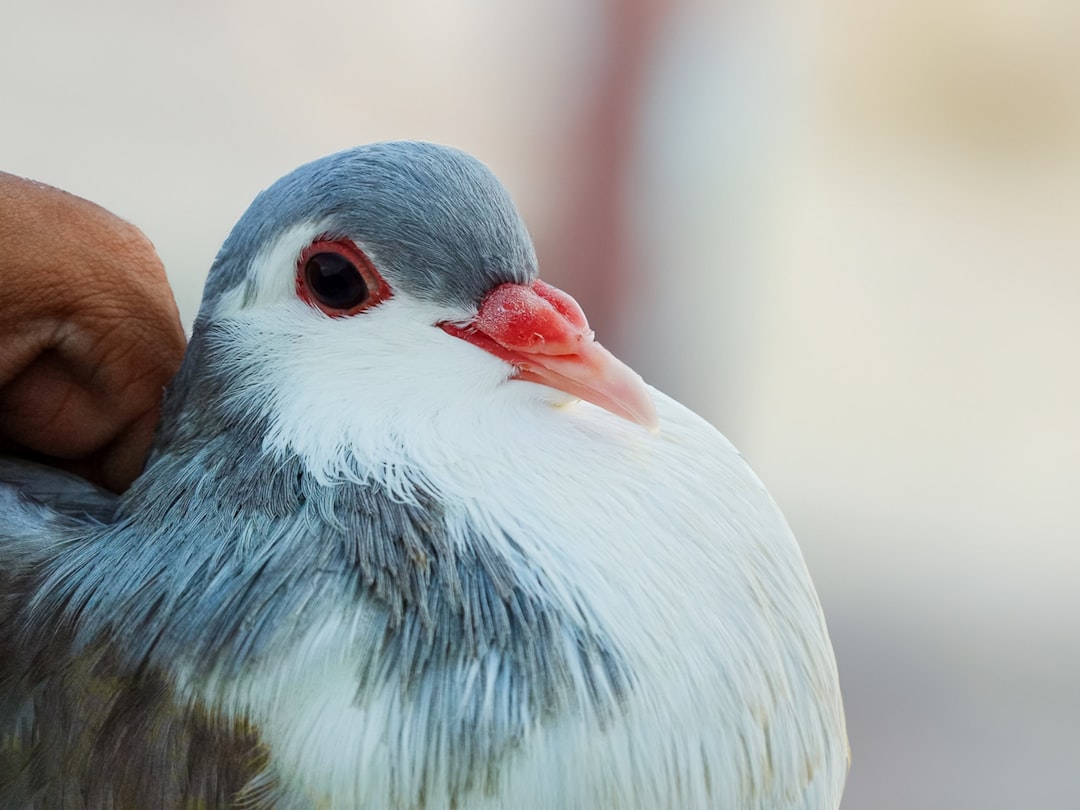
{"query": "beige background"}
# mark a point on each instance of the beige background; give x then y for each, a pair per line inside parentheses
(851, 241)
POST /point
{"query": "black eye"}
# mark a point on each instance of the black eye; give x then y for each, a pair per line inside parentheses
(336, 276)
(335, 281)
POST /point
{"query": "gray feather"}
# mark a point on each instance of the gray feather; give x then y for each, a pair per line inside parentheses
(80, 731)
(435, 220)
(219, 552)
(63, 492)
(184, 574)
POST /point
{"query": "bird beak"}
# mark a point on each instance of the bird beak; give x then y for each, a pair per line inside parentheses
(542, 332)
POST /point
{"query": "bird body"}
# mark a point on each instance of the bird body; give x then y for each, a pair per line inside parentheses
(384, 555)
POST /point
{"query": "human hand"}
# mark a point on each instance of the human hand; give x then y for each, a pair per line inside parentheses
(89, 334)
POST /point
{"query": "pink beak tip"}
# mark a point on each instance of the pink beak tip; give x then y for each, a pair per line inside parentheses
(543, 332)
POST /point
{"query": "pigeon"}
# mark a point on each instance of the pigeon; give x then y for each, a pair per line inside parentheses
(409, 538)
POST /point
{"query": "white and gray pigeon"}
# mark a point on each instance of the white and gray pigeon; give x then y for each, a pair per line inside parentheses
(409, 538)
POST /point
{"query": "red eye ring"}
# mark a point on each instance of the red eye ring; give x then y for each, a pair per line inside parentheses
(336, 277)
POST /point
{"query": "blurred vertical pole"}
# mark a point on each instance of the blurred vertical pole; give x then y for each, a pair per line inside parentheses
(587, 250)
(662, 193)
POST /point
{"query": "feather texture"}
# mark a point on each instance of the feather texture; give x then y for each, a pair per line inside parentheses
(363, 568)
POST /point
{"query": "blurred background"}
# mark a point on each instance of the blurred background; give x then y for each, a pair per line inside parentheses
(845, 232)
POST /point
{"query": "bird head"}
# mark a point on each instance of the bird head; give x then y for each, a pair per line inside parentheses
(389, 285)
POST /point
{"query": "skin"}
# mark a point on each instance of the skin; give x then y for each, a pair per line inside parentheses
(89, 334)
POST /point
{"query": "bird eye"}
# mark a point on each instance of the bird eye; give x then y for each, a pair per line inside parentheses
(335, 281)
(338, 278)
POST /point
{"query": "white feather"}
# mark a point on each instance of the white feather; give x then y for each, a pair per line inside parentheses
(668, 542)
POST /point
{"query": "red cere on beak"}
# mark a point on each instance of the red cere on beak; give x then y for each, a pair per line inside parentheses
(543, 332)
